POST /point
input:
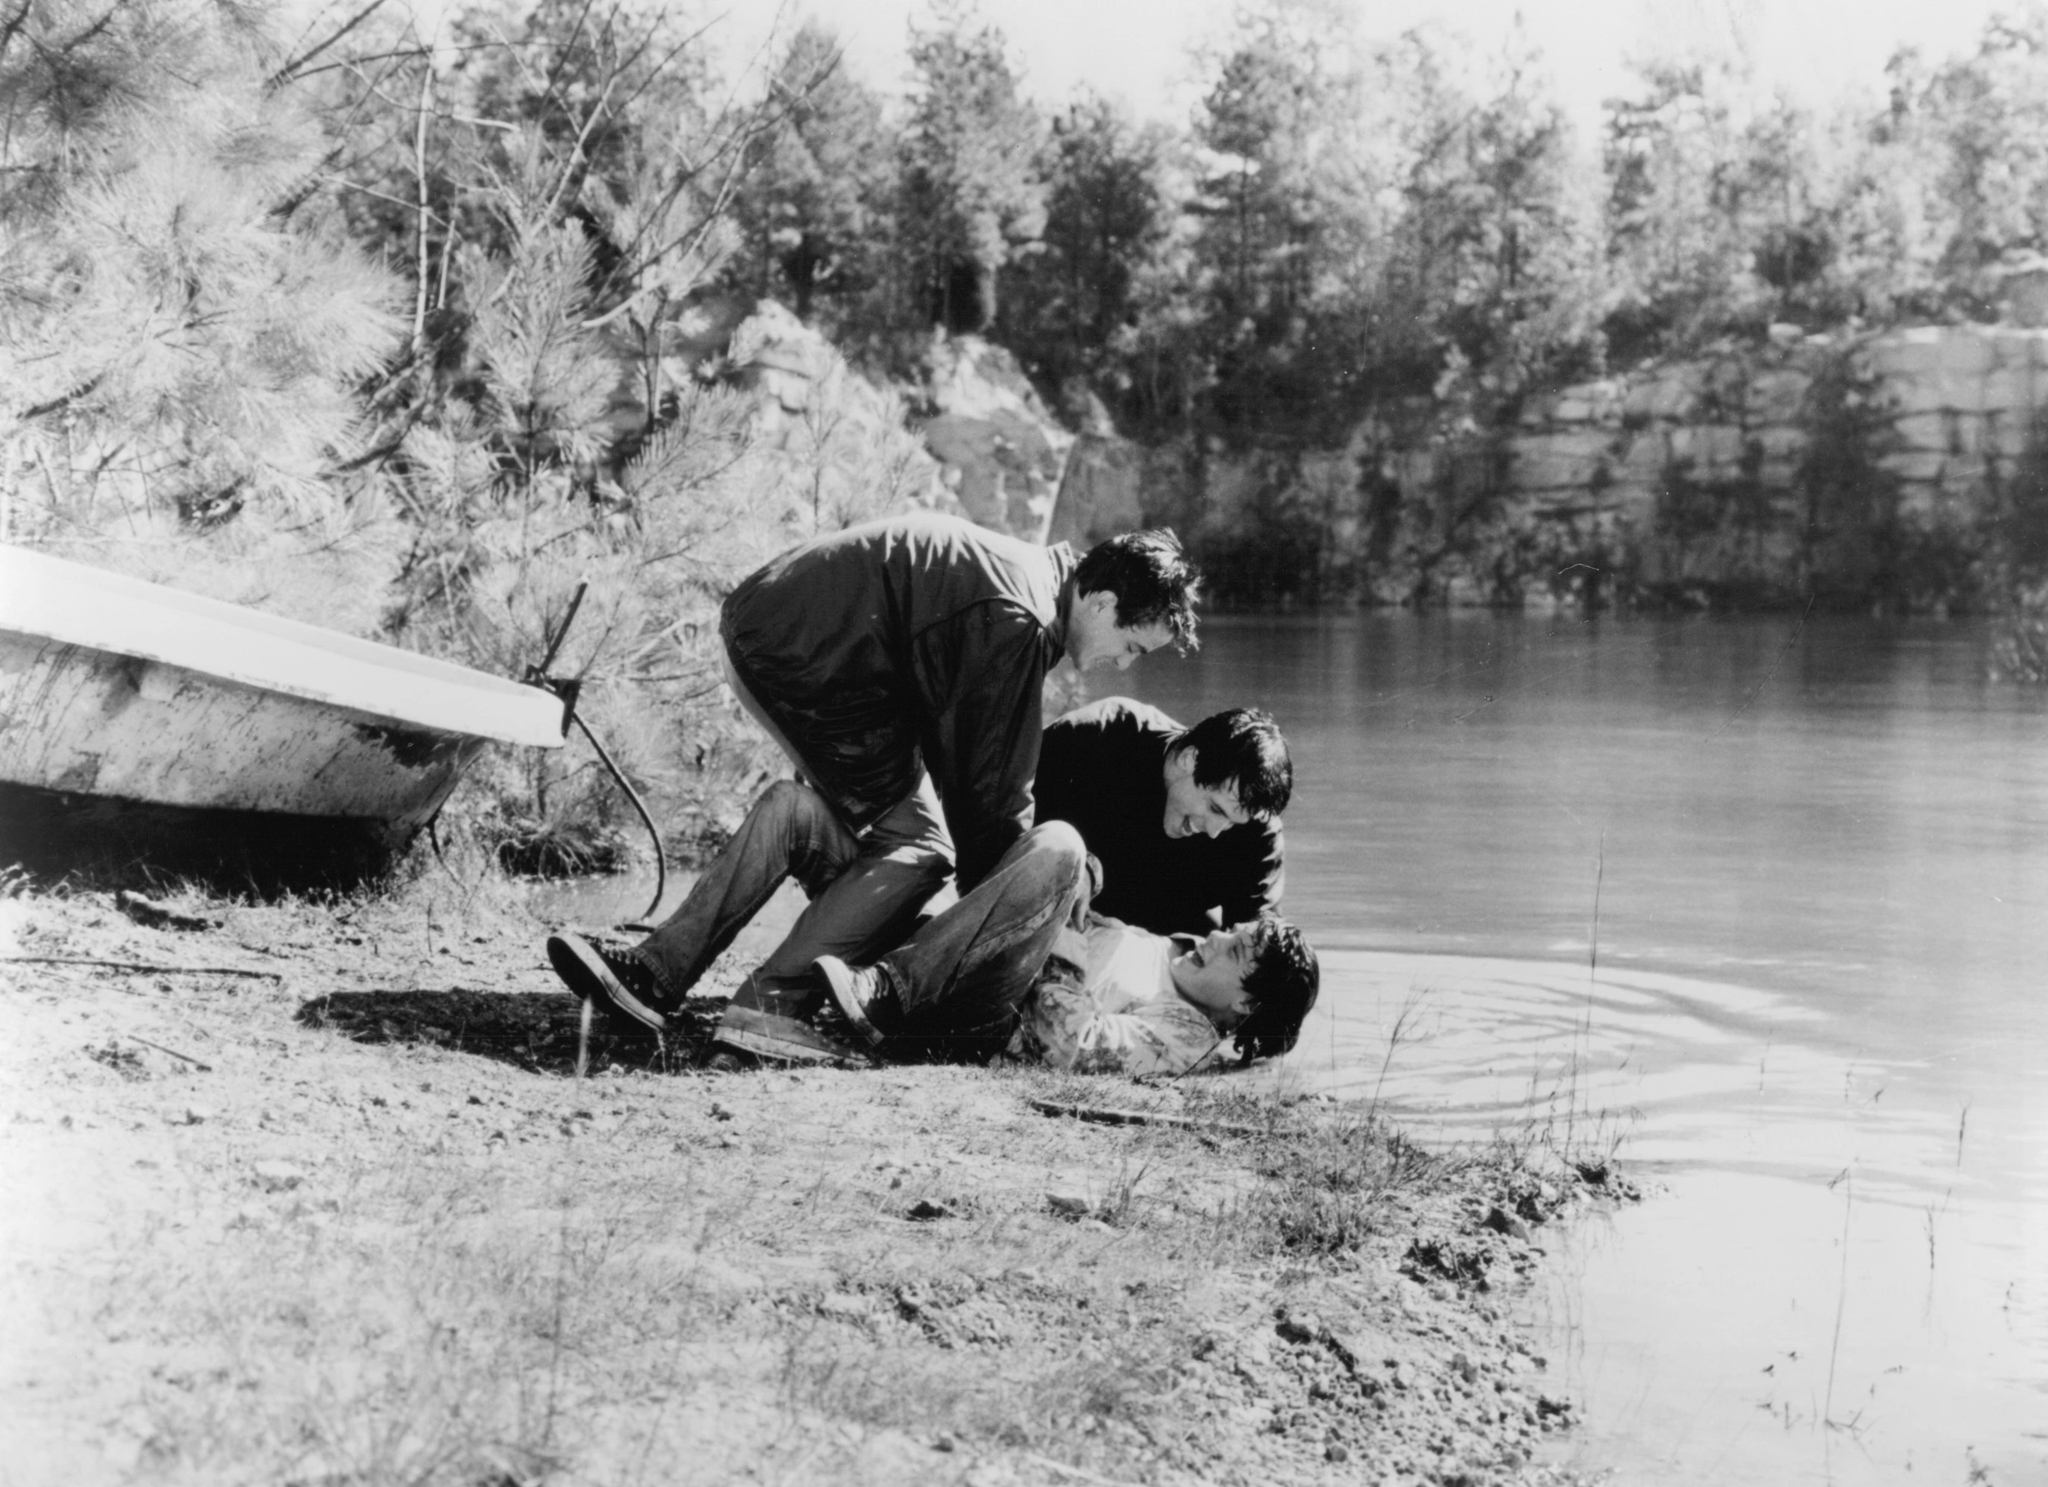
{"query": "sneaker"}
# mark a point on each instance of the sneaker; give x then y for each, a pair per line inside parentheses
(781, 1039)
(599, 974)
(865, 998)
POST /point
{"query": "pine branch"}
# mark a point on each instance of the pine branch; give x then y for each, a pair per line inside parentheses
(655, 72)
(62, 401)
(563, 52)
(419, 156)
(14, 24)
(290, 69)
(89, 33)
(355, 186)
(401, 54)
(686, 242)
(765, 117)
(291, 200)
(576, 155)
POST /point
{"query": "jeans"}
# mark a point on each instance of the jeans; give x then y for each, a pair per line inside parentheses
(962, 977)
(865, 889)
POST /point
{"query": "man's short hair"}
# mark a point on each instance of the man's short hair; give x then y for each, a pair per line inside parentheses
(1151, 578)
(1282, 985)
(1243, 746)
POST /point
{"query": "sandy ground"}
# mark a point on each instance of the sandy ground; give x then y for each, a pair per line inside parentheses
(312, 1195)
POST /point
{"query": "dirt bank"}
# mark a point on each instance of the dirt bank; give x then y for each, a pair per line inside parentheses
(333, 1209)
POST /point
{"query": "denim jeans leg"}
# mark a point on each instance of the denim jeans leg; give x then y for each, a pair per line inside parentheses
(902, 860)
(962, 977)
(898, 863)
(790, 829)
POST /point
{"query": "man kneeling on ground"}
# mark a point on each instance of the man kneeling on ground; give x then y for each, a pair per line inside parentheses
(1022, 965)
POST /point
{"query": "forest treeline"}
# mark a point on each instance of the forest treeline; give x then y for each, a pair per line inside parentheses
(1342, 224)
(408, 334)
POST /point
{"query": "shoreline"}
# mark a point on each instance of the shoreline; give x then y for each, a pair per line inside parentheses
(337, 1210)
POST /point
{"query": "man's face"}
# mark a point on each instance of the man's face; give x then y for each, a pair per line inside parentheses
(1094, 636)
(1212, 974)
(1192, 809)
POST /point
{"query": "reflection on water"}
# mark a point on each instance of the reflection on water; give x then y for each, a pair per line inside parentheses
(1765, 901)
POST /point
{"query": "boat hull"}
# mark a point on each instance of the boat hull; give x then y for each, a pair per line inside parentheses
(145, 726)
(82, 722)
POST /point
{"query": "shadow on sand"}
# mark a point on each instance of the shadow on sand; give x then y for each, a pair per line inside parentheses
(536, 1033)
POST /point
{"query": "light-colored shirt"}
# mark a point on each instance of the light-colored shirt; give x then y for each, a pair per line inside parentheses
(1123, 1017)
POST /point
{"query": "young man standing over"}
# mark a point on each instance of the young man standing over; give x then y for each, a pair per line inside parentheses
(1186, 821)
(899, 664)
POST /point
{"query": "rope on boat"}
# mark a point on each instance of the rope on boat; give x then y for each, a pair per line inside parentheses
(568, 689)
(660, 855)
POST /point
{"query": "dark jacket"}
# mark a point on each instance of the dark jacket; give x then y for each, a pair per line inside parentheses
(1102, 768)
(918, 642)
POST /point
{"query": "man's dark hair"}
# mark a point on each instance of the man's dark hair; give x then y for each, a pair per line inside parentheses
(1151, 578)
(1244, 746)
(1282, 985)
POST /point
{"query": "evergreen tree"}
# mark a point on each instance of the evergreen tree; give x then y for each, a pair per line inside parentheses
(1957, 184)
(181, 319)
(972, 197)
(573, 432)
(1492, 253)
(1674, 236)
(1293, 225)
(1726, 211)
(1075, 302)
(815, 201)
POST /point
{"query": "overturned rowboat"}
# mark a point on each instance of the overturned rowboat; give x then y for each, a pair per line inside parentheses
(141, 725)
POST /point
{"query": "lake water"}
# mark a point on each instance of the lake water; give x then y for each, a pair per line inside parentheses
(1766, 903)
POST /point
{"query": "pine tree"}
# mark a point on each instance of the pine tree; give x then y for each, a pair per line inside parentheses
(815, 199)
(181, 320)
(1107, 218)
(563, 429)
(972, 196)
(1293, 233)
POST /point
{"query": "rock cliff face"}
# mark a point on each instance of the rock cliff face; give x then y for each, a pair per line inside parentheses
(986, 446)
(1002, 452)
(1807, 464)
(1867, 470)
(1100, 492)
(841, 443)
(1011, 464)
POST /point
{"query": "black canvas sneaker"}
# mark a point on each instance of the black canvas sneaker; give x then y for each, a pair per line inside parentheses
(612, 978)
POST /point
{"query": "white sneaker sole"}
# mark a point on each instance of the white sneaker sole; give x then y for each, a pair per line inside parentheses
(783, 1039)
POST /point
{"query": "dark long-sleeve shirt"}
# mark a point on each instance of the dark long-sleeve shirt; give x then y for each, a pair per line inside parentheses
(1102, 768)
(920, 642)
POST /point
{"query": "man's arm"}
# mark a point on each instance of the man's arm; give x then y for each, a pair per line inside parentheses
(982, 749)
(1097, 766)
(1257, 875)
(1059, 783)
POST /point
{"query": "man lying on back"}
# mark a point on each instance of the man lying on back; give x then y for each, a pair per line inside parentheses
(1185, 821)
(1023, 965)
